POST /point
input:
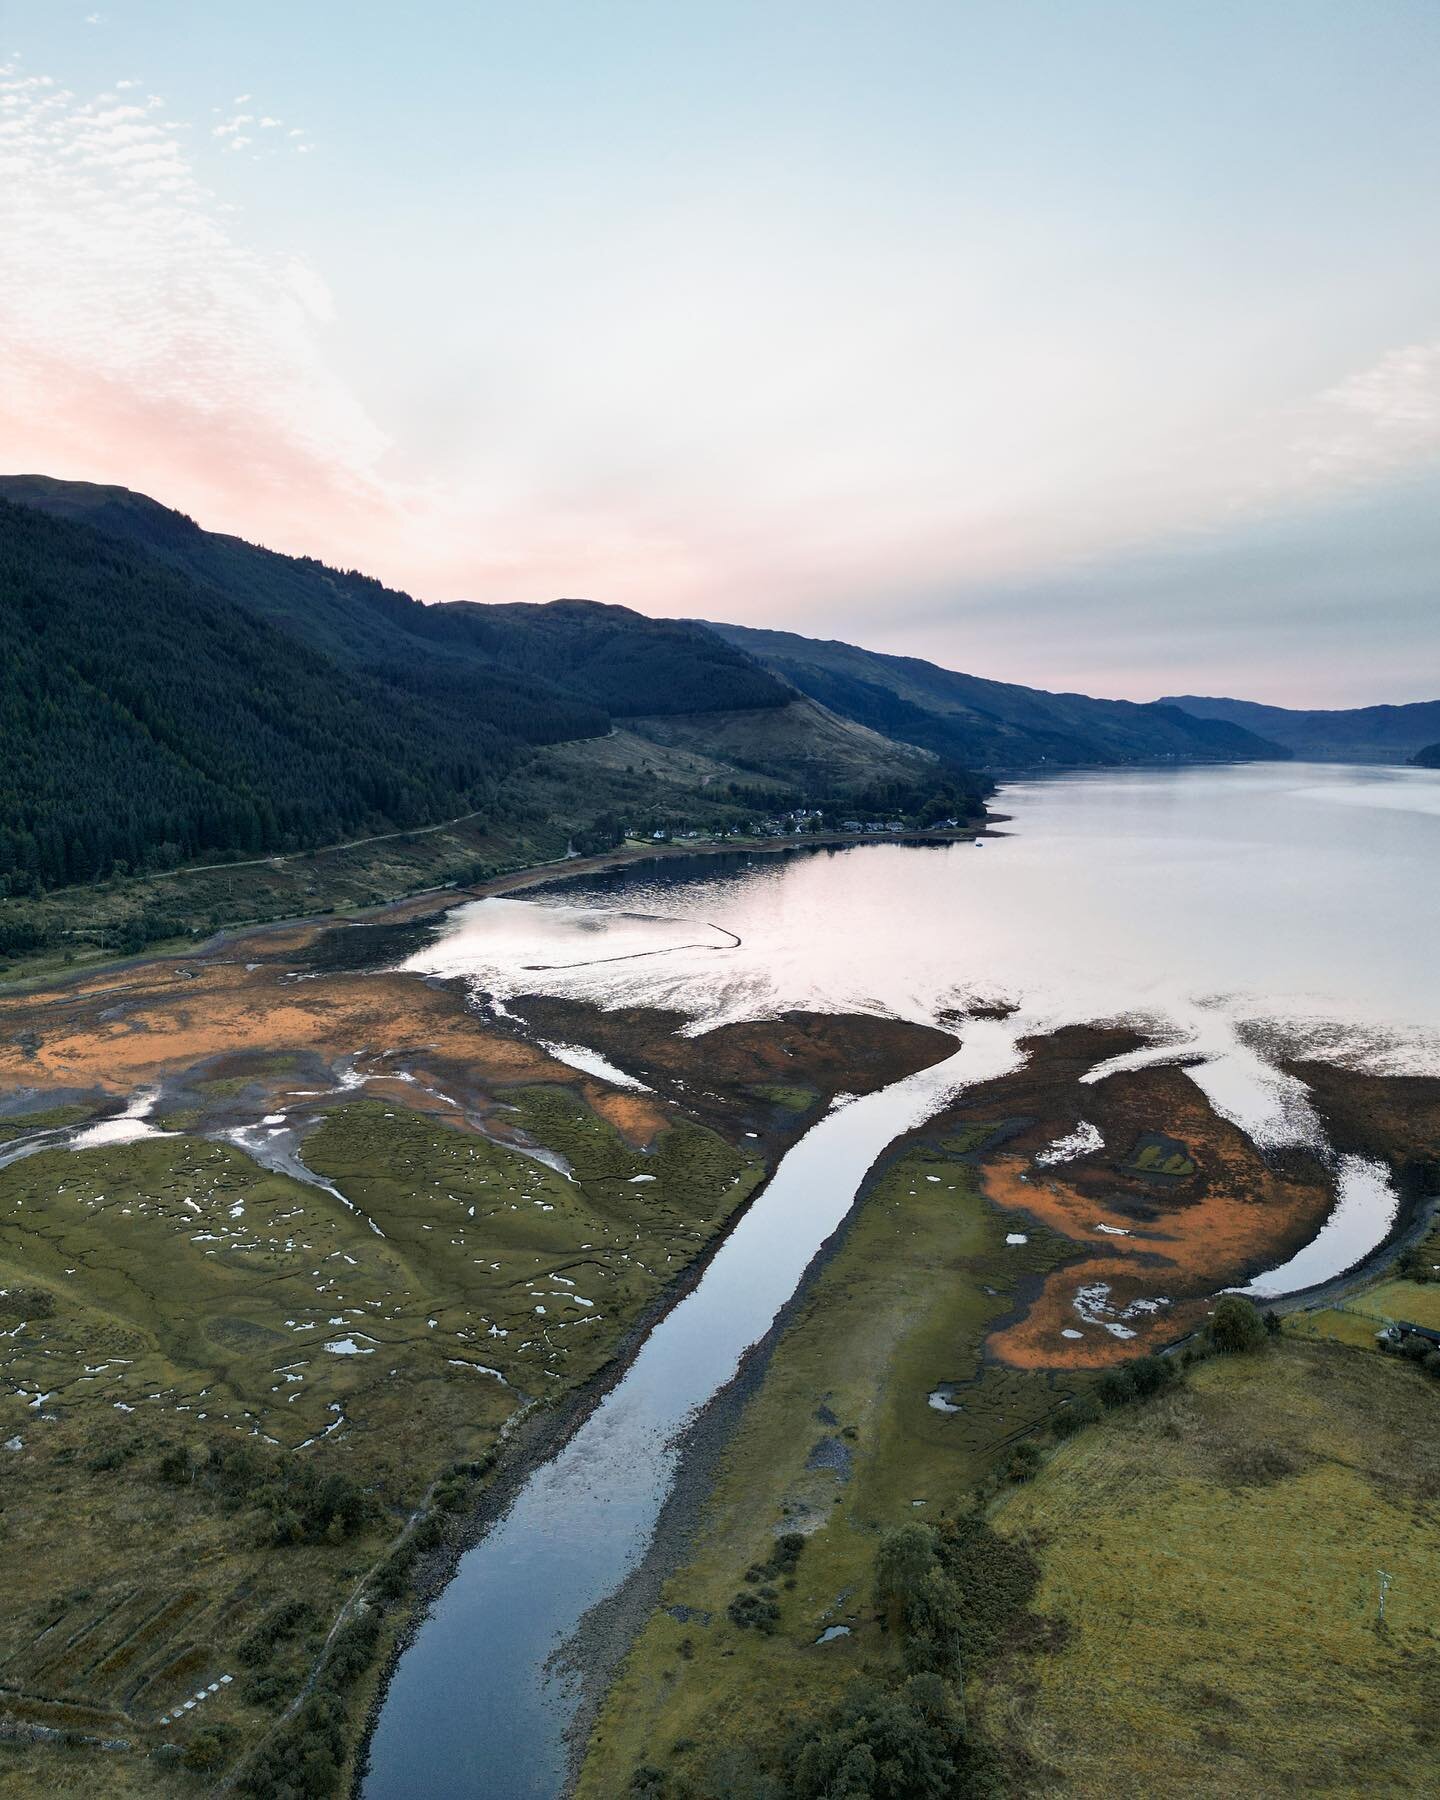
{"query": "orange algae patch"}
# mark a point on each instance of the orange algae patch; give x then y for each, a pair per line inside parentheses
(1152, 1277)
(636, 1118)
(1177, 1205)
(150, 1022)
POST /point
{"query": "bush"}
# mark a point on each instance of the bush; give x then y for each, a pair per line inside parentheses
(265, 1690)
(902, 1744)
(393, 1576)
(282, 1622)
(299, 1503)
(789, 1547)
(754, 1612)
(1116, 1387)
(450, 1495)
(903, 1563)
(1024, 1461)
(1431, 1364)
(429, 1532)
(1151, 1373)
(206, 1751)
(1083, 1410)
(303, 1759)
(353, 1649)
(1236, 1326)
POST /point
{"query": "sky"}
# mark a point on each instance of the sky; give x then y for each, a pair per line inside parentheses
(1084, 344)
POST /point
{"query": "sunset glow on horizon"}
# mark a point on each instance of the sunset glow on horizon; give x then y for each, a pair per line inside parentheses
(1087, 346)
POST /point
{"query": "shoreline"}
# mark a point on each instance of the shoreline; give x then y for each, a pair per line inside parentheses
(434, 902)
(541, 1437)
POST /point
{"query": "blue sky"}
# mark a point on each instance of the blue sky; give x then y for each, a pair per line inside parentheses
(1088, 345)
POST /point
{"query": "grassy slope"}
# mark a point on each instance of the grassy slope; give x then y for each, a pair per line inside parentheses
(1216, 1557)
(187, 1284)
(802, 743)
(1212, 1556)
(902, 1306)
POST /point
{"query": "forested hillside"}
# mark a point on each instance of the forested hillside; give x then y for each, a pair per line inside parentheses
(994, 725)
(169, 694)
(145, 719)
(612, 658)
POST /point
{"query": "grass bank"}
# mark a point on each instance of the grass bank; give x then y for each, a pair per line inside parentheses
(1216, 1556)
(228, 1390)
(841, 1442)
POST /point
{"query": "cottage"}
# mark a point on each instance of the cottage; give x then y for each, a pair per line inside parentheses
(1399, 1332)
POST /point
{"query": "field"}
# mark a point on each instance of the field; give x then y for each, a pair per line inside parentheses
(1216, 1556)
(167, 1301)
(1207, 1559)
(840, 1442)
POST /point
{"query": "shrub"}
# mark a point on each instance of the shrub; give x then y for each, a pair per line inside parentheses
(753, 1612)
(1116, 1387)
(303, 1758)
(301, 1503)
(282, 1622)
(1431, 1364)
(903, 1744)
(265, 1690)
(1151, 1373)
(904, 1561)
(429, 1532)
(1025, 1460)
(393, 1576)
(1083, 1410)
(1236, 1325)
(353, 1649)
(205, 1752)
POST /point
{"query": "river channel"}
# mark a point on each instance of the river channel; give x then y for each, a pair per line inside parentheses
(1240, 917)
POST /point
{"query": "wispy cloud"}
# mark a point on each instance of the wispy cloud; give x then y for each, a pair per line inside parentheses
(144, 338)
(1381, 417)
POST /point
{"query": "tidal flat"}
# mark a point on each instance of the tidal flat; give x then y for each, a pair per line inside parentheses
(371, 1226)
(969, 1299)
(260, 1358)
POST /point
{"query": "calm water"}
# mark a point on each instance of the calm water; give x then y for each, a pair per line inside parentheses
(1239, 915)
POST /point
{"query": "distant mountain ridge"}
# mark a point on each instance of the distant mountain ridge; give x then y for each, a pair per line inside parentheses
(995, 726)
(169, 694)
(1353, 734)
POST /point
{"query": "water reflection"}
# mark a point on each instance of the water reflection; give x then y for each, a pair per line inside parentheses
(1242, 915)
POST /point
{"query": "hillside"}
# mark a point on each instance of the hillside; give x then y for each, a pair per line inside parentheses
(991, 725)
(1357, 734)
(1427, 758)
(185, 720)
(606, 656)
(171, 695)
(145, 719)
